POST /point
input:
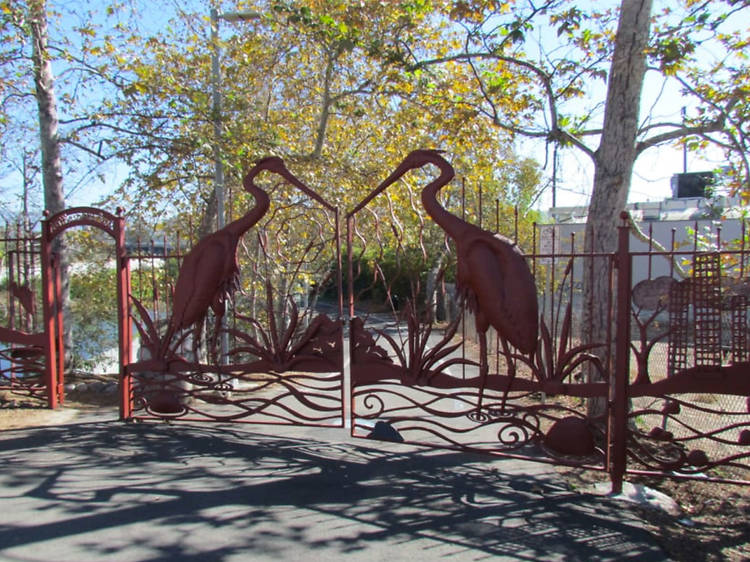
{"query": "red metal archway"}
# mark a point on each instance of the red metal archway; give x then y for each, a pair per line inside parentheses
(52, 227)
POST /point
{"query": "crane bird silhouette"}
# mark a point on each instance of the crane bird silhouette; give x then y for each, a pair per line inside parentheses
(209, 273)
(492, 274)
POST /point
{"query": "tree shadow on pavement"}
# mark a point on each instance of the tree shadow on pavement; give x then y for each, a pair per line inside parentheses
(164, 492)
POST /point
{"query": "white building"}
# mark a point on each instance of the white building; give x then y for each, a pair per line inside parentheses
(679, 224)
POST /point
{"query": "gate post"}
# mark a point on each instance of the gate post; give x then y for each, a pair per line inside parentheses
(49, 323)
(618, 411)
(123, 319)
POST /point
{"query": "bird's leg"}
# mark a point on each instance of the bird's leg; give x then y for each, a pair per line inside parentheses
(483, 367)
(511, 371)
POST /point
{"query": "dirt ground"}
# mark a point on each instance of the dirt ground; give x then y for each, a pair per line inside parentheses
(713, 523)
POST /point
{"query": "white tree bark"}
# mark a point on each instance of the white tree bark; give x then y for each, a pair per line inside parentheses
(614, 161)
(49, 138)
(54, 200)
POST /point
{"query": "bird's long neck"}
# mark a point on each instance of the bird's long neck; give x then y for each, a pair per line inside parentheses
(246, 221)
(448, 222)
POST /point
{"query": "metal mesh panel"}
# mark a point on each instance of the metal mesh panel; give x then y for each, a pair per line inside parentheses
(738, 306)
(679, 301)
(707, 297)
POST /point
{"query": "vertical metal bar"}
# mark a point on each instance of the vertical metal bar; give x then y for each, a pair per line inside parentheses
(350, 264)
(497, 334)
(742, 251)
(619, 391)
(154, 287)
(590, 266)
(32, 262)
(59, 326)
(26, 275)
(170, 282)
(350, 290)
(571, 282)
(339, 262)
(123, 319)
(139, 249)
(534, 247)
(50, 373)
(463, 311)
(552, 278)
(650, 247)
(340, 291)
(671, 252)
(11, 309)
(11, 298)
(15, 259)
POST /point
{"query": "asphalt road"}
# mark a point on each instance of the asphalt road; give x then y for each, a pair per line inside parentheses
(95, 490)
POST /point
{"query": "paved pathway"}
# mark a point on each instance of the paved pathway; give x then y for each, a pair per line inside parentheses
(125, 492)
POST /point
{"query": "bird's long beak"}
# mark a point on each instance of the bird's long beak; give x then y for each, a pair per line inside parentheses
(291, 178)
(402, 168)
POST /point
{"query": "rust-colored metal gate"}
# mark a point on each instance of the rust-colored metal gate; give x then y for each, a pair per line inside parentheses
(425, 362)
(665, 392)
(426, 369)
(52, 228)
(277, 356)
(22, 357)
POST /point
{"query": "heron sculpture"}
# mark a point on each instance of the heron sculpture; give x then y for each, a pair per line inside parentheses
(492, 274)
(209, 273)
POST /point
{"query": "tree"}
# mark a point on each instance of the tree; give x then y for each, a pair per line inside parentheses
(30, 21)
(613, 165)
(46, 99)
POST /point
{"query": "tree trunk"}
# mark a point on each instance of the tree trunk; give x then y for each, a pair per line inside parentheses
(613, 168)
(52, 176)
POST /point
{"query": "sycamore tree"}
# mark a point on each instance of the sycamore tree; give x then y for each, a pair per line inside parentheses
(319, 83)
(28, 71)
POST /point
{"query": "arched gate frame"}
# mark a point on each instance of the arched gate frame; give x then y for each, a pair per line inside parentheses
(52, 227)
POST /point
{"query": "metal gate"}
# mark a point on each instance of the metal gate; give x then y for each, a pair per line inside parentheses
(245, 326)
(52, 228)
(22, 357)
(665, 392)
(427, 368)
(427, 361)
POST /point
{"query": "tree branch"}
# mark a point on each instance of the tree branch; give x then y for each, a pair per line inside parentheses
(682, 132)
(555, 133)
